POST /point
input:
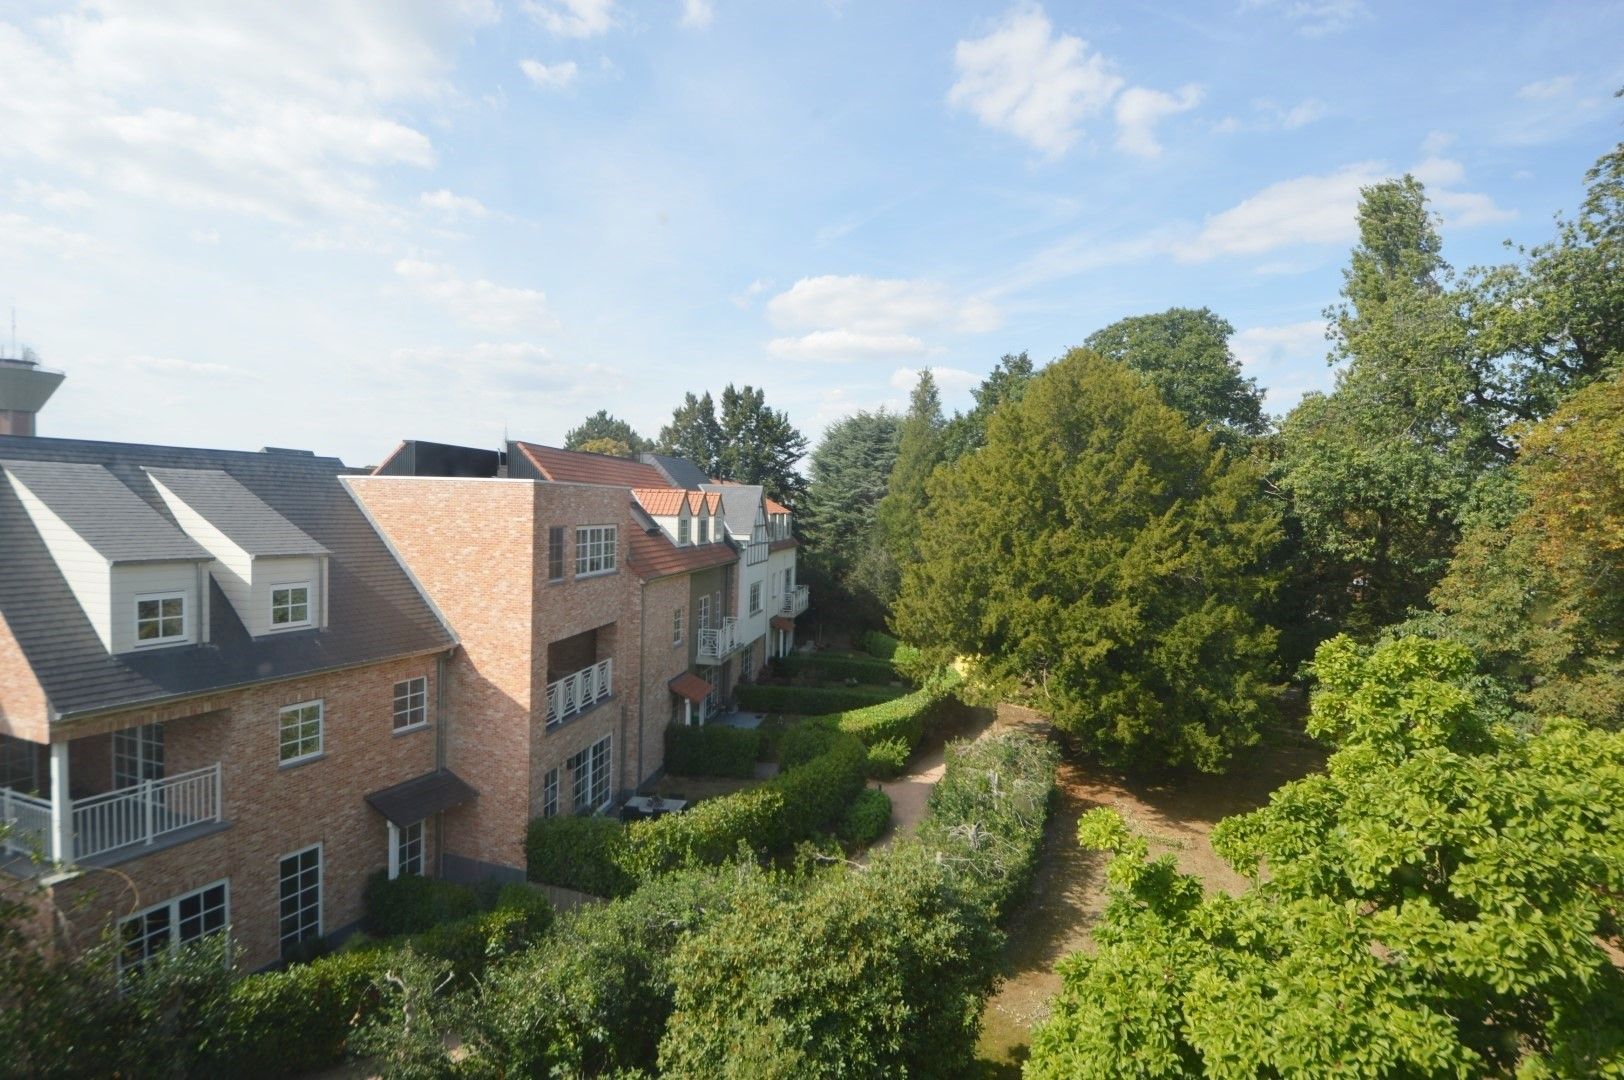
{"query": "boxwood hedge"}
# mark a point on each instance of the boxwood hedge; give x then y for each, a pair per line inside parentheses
(812, 700)
(711, 750)
(827, 667)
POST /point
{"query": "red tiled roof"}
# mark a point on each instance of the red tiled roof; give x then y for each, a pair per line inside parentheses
(652, 555)
(713, 501)
(781, 622)
(663, 502)
(690, 686)
(776, 507)
(783, 545)
(574, 467)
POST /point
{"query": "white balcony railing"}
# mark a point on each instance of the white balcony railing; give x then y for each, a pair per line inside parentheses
(795, 601)
(717, 643)
(580, 691)
(126, 817)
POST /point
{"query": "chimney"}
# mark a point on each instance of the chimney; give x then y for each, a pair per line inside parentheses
(25, 387)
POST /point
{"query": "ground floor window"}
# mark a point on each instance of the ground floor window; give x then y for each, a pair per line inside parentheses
(409, 849)
(300, 898)
(549, 794)
(591, 768)
(185, 919)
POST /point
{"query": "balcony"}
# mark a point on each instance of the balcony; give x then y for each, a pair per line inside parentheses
(795, 601)
(114, 824)
(579, 692)
(717, 643)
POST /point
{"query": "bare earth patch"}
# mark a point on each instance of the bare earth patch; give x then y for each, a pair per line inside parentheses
(1068, 894)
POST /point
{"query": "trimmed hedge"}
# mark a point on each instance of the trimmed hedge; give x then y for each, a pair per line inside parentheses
(886, 647)
(805, 741)
(522, 915)
(297, 1020)
(711, 750)
(411, 904)
(901, 719)
(837, 668)
(577, 853)
(865, 819)
(812, 700)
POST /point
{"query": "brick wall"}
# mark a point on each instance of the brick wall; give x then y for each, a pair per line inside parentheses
(23, 708)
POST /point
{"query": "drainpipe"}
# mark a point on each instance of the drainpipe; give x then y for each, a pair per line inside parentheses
(442, 668)
(642, 641)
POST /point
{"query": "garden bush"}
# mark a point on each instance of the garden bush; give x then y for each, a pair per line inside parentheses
(904, 658)
(806, 740)
(812, 700)
(412, 903)
(520, 917)
(711, 750)
(887, 758)
(577, 853)
(827, 667)
(865, 819)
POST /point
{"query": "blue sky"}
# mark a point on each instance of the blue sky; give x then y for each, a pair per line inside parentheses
(337, 225)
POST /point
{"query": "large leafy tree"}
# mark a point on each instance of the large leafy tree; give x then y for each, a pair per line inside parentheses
(1440, 901)
(1100, 556)
(759, 445)
(604, 432)
(1007, 380)
(849, 472)
(694, 433)
(919, 450)
(1184, 353)
(1537, 584)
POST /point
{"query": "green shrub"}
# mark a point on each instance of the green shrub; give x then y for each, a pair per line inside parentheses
(811, 700)
(806, 740)
(902, 719)
(905, 658)
(470, 944)
(711, 750)
(577, 853)
(411, 904)
(865, 819)
(825, 667)
(297, 1020)
(887, 758)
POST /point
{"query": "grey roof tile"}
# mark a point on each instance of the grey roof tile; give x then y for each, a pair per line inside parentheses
(241, 515)
(105, 514)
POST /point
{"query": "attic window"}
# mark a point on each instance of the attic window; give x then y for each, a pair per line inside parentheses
(682, 531)
(290, 605)
(704, 530)
(160, 619)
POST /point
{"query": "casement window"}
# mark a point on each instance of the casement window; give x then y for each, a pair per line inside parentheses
(411, 703)
(290, 605)
(755, 598)
(789, 581)
(160, 619)
(704, 530)
(594, 550)
(300, 892)
(409, 849)
(705, 613)
(676, 626)
(591, 768)
(187, 918)
(138, 754)
(549, 794)
(300, 730)
(683, 525)
(555, 553)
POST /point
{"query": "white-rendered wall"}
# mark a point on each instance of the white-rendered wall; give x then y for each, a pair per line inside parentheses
(131, 580)
(269, 573)
(86, 572)
(232, 567)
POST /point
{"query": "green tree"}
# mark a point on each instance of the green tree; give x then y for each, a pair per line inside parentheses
(694, 433)
(1101, 557)
(601, 426)
(1440, 901)
(759, 445)
(919, 450)
(612, 447)
(849, 472)
(1184, 352)
(1005, 382)
(1537, 583)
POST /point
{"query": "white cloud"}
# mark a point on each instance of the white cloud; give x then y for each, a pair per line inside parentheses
(698, 13)
(477, 302)
(1304, 210)
(451, 204)
(573, 18)
(950, 380)
(549, 76)
(1438, 171)
(1024, 79)
(1303, 113)
(52, 197)
(1287, 361)
(844, 345)
(1464, 209)
(500, 368)
(1547, 89)
(43, 239)
(748, 296)
(1138, 111)
(1314, 18)
(879, 306)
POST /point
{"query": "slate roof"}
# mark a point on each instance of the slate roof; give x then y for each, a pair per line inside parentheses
(411, 801)
(237, 512)
(574, 467)
(104, 513)
(739, 502)
(677, 470)
(375, 613)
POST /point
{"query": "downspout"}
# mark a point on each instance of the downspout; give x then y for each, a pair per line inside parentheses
(441, 668)
(642, 642)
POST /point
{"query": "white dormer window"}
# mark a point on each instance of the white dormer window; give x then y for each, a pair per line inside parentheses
(290, 605)
(160, 619)
(682, 531)
(704, 530)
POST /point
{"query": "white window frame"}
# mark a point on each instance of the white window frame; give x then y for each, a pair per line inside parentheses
(173, 905)
(309, 606)
(584, 774)
(417, 688)
(549, 793)
(175, 639)
(282, 938)
(683, 525)
(676, 626)
(137, 754)
(704, 530)
(556, 531)
(596, 548)
(407, 844)
(755, 598)
(705, 612)
(320, 706)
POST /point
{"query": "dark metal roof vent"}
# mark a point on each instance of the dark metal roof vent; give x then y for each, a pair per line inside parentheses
(286, 451)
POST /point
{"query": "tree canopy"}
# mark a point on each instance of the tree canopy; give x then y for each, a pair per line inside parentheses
(1438, 902)
(749, 442)
(601, 430)
(1184, 353)
(919, 450)
(849, 472)
(1100, 556)
(694, 433)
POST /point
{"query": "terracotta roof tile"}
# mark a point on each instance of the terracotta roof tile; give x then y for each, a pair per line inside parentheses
(776, 507)
(662, 502)
(574, 467)
(690, 686)
(652, 555)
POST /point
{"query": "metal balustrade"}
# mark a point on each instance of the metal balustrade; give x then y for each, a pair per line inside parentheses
(126, 817)
(578, 692)
(795, 601)
(717, 643)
